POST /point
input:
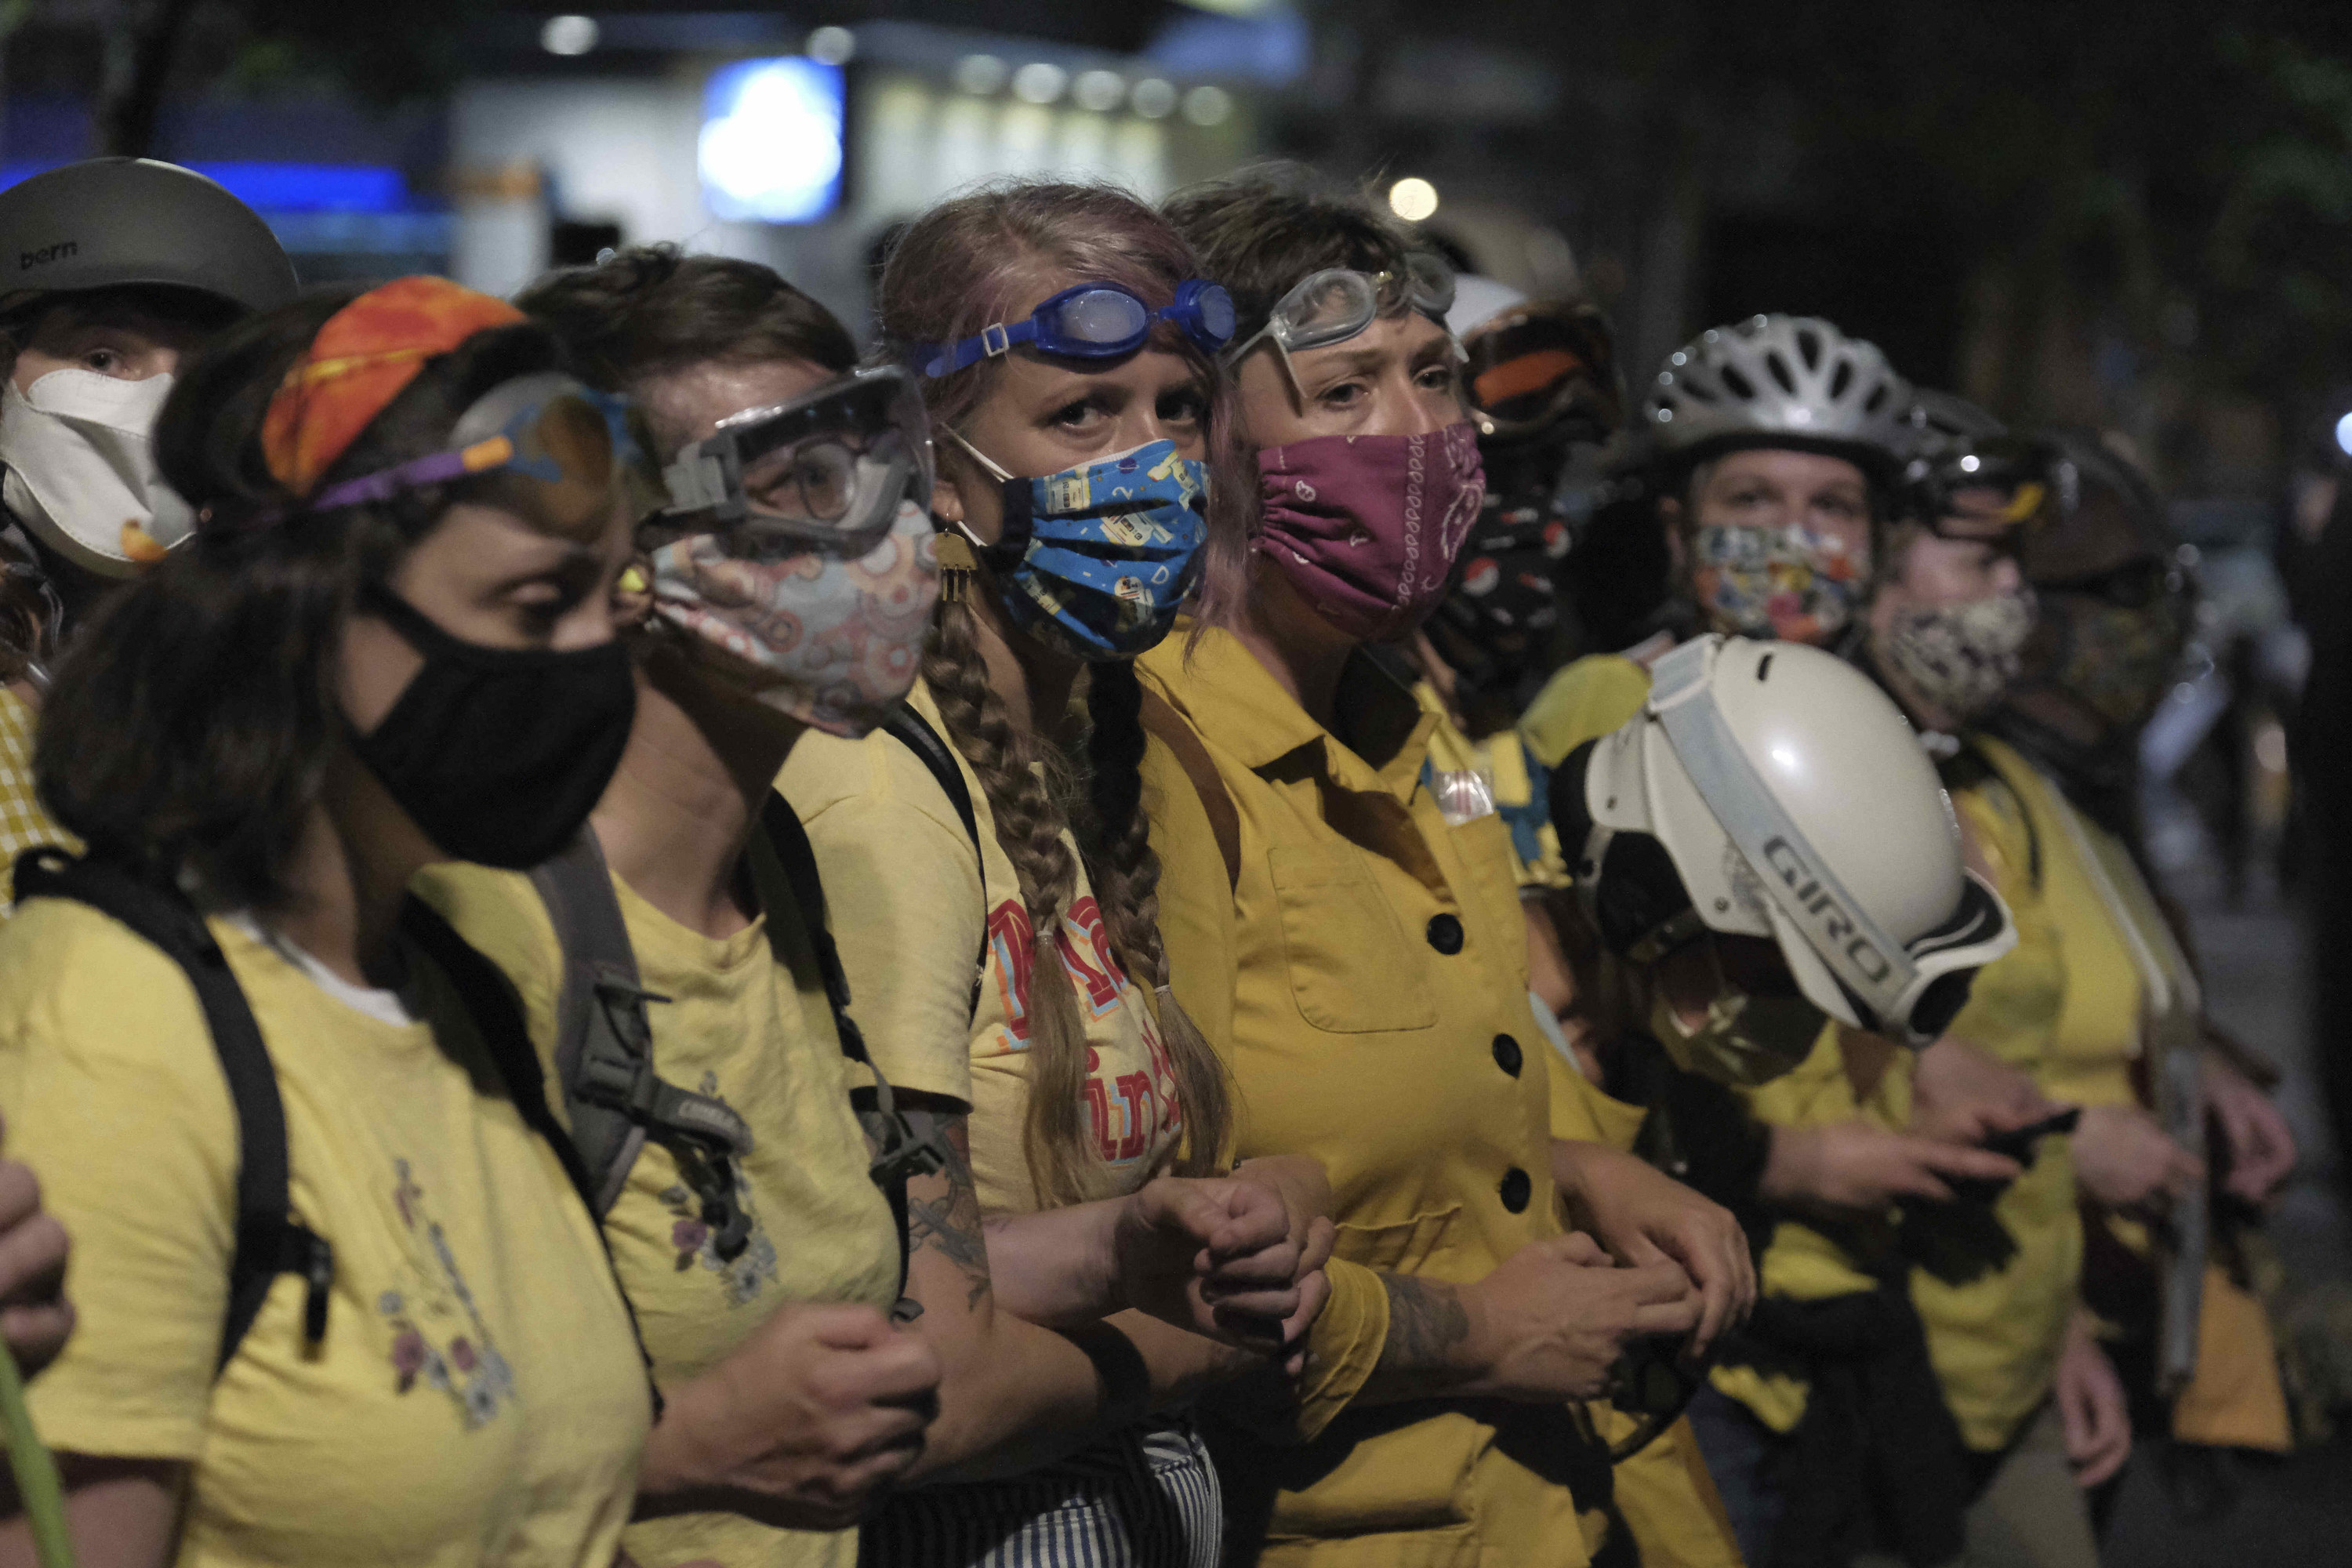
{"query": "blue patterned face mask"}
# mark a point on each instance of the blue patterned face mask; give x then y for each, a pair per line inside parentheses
(1096, 560)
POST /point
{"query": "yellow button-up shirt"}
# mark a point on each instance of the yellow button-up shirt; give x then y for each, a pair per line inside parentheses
(1365, 979)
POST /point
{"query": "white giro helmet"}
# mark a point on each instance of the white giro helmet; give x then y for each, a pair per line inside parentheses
(1778, 381)
(1769, 789)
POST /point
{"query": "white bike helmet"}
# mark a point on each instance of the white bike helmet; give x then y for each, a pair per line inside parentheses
(1778, 381)
(1769, 789)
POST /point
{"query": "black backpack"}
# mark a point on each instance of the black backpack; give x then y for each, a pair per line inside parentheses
(271, 1240)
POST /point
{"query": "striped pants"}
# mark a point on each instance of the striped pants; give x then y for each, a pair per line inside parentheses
(1144, 1498)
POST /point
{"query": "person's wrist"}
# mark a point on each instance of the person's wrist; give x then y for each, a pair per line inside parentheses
(1791, 1165)
(1470, 1362)
(677, 1463)
(1121, 1244)
(1571, 1174)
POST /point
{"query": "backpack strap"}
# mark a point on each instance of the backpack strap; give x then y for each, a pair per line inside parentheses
(270, 1240)
(905, 1143)
(489, 1000)
(912, 729)
(604, 1057)
(1168, 726)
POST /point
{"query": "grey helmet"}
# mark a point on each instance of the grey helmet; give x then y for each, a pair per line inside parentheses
(1778, 381)
(109, 223)
(1944, 424)
(1952, 445)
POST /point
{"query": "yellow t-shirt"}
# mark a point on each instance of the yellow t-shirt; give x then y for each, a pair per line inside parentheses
(2098, 1032)
(479, 1396)
(1995, 1341)
(24, 823)
(745, 1029)
(907, 912)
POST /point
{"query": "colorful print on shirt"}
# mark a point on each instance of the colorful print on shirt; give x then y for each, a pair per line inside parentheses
(1131, 1097)
(438, 1335)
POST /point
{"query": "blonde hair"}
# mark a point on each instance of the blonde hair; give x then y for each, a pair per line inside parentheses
(961, 265)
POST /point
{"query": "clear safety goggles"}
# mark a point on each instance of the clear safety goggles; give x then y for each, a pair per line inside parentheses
(1092, 320)
(829, 468)
(1842, 958)
(1339, 302)
(545, 444)
(1538, 366)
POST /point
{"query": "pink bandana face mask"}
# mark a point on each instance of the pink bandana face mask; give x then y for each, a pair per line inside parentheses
(1366, 528)
(833, 642)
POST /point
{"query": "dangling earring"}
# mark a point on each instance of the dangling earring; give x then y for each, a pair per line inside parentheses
(957, 563)
(633, 593)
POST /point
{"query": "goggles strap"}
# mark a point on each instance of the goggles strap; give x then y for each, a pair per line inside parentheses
(1871, 964)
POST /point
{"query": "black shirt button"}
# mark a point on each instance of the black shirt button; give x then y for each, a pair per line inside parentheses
(1445, 934)
(1507, 1056)
(1516, 1190)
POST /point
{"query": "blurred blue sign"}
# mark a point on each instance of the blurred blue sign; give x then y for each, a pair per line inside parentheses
(279, 187)
(771, 135)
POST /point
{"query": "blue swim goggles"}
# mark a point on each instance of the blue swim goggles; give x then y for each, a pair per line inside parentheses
(1093, 320)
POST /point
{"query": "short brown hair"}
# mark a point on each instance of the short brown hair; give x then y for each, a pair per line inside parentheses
(652, 309)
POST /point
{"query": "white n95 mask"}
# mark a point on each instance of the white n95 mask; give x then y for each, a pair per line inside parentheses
(80, 452)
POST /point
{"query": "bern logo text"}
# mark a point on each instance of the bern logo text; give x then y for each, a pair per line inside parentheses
(27, 259)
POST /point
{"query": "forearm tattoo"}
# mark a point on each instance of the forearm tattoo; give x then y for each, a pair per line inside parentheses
(1426, 1321)
(950, 1225)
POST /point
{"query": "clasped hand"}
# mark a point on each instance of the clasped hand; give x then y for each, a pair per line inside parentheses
(1238, 1259)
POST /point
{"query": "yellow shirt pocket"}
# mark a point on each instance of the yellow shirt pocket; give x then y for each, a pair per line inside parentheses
(1351, 970)
(1407, 1247)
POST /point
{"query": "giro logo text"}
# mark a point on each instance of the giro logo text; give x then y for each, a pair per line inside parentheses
(1815, 901)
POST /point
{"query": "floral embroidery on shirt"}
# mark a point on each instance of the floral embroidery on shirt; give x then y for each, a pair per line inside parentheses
(692, 1239)
(438, 1337)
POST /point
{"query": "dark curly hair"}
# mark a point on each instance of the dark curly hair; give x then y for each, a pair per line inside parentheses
(192, 720)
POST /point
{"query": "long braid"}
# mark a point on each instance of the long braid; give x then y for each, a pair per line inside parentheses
(1058, 1142)
(967, 262)
(1124, 870)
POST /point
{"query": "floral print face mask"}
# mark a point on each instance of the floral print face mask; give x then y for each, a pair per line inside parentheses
(1796, 583)
(1961, 658)
(833, 642)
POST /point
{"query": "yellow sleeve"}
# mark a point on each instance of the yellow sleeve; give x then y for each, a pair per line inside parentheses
(114, 1096)
(1196, 901)
(1344, 1345)
(1586, 700)
(903, 894)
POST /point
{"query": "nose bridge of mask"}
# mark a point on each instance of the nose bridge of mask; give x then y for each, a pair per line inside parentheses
(108, 401)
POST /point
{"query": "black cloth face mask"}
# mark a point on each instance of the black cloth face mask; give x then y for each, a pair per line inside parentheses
(498, 754)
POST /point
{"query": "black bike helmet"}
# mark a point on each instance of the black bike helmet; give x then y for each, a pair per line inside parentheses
(110, 223)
